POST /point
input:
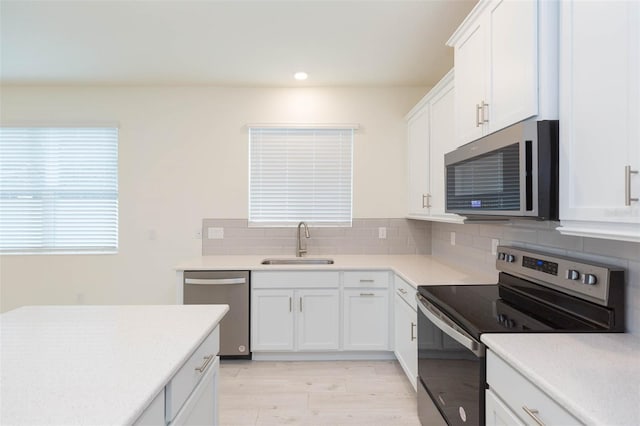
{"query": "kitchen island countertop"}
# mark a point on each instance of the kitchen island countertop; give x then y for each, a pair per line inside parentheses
(94, 364)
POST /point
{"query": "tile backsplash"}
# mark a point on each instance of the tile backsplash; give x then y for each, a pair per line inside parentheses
(473, 247)
(403, 236)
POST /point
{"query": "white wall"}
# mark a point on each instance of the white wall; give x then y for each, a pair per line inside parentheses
(183, 157)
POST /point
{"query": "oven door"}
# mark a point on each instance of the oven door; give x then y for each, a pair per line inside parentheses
(451, 370)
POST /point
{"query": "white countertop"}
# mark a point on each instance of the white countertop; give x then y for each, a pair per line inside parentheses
(70, 365)
(415, 269)
(596, 377)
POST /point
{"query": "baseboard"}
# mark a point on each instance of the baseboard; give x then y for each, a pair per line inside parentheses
(324, 356)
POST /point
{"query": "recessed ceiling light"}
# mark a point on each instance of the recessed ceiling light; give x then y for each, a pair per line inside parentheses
(301, 75)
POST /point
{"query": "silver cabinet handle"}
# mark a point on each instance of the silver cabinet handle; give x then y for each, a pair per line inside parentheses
(367, 281)
(413, 326)
(300, 304)
(485, 117)
(627, 185)
(478, 122)
(534, 414)
(402, 290)
(290, 304)
(207, 361)
(426, 200)
(214, 281)
(367, 294)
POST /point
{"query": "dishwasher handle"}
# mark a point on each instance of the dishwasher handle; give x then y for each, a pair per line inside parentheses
(215, 281)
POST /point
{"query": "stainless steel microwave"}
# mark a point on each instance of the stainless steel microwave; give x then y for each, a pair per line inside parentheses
(511, 173)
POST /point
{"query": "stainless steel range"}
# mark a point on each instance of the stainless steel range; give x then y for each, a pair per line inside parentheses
(536, 292)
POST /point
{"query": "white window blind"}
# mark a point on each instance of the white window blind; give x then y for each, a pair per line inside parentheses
(58, 190)
(300, 174)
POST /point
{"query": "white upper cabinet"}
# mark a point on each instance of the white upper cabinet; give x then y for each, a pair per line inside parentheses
(418, 161)
(500, 79)
(430, 136)
(470, 82)
(600, 119)
(442, 140)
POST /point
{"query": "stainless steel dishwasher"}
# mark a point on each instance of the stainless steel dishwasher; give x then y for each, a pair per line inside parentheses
(224, 287)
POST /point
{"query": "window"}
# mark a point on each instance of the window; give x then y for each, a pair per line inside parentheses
(300, 174)
(58, 190)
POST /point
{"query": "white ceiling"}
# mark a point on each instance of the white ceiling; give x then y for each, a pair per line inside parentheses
(230, 43)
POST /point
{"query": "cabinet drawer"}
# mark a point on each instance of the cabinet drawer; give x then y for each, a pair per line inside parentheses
(519, 393)
(295, 279)
(367, 279)
(188, 376)
(406, 292)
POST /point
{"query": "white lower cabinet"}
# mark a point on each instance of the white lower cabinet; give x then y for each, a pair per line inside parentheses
(405, 322)
(513, 399)
(291, 318)
(366, 319)
(498, 414)
(320, 311)
(318, 320)
(190, 396)
(201, 406)
(272, 320)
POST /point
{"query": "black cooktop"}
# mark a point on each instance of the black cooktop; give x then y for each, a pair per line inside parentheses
(536, 292)
(501, 309)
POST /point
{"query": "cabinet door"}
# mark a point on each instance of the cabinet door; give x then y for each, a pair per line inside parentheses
(272, 320)
(442, 140)
(201, 409)
(318, 319)
(366, 319)
(513, 71)
(497, 413)
(418, 161)
(470, 77)
(406, 348)
(599, 126)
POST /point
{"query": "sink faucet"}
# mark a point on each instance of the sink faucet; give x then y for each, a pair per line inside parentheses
(299, 250)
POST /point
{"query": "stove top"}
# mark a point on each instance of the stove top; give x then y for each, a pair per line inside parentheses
(536, 292)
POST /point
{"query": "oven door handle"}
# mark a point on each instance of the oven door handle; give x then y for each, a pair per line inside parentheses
(448, 327)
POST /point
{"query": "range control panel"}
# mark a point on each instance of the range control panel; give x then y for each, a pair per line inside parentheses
(540, 265)
(588, 280)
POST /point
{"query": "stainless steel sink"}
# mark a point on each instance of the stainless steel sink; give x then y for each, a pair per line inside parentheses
(303, 261)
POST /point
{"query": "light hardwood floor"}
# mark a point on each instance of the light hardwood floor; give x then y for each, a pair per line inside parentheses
(315, 393)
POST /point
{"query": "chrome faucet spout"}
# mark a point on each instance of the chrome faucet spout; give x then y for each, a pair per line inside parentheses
(299, 250)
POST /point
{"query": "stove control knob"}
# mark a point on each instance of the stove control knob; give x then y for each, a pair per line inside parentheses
(510, 323)
(501, 256)
(573, 275)
(510, 258)
(589, 279)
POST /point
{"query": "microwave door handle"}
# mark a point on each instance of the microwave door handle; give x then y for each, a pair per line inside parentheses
(431, 313)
